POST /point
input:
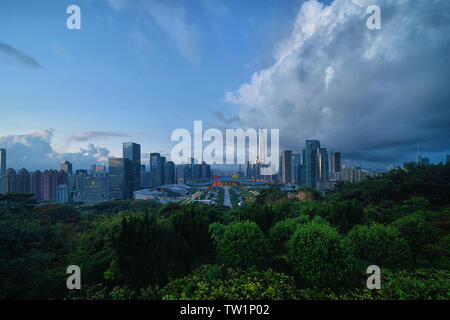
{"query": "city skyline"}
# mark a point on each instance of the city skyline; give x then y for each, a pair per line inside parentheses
(231, 64)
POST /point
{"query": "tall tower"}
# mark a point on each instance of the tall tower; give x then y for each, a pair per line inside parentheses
(262, 145)
(2, 162)
(286, 167)
(66, 166)
(312, 158)
(132, 151)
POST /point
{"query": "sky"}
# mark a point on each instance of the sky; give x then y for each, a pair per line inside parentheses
(139, 69)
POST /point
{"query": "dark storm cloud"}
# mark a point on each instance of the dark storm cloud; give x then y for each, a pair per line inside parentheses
(377, 94)
(18, 56)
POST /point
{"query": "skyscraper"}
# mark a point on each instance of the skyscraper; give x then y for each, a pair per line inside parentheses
(156, 170)
(2, 162)
(296, 161)
(262, 147)
(62, 194)
(448, 158)
(312, 166)
(66, 166)
(169, 173)
(336, 165)
(323, 164)
(120, 182)
(132, 151)
(286, 167)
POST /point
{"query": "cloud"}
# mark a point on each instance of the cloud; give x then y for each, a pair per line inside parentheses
(84, 136)
(34, 151)
(171, 18)
(377, 94)
(10, 52)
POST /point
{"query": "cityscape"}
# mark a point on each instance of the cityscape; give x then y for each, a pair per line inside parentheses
(162, 180)
(217, 158)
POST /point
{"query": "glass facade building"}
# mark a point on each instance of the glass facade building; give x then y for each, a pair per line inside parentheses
(120, 178)
(312, 166)
(132, 152)
(2, 162)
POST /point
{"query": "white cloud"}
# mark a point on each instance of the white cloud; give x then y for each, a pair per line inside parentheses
(34, 151)
(375, 93)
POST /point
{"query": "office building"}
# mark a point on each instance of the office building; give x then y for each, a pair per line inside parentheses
(296, 161)
(2, 162)
(312, 162)
(94, 189)
(120, 179)
(62, 193)
(286, 167)
(323, 165)
(132, 151)
(66, 166)
(335, 159)
(169, 173)
(156, 170)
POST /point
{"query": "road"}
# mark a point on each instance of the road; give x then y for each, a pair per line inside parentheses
(226, 198)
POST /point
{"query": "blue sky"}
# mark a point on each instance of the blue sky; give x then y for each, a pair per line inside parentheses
(122, 73)
(139, 69)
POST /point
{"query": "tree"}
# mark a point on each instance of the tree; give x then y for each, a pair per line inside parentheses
(380, 245)
(319, 255)
(282, 231)
(417, 232)
(219, 283)
(243, 245)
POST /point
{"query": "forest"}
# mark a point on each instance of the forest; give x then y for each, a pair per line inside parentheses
(276, 247)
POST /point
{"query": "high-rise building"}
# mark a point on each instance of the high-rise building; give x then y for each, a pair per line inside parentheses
(448, 158)
(262, 148)
(23, 181)
(156, 170)
(169, 173)
(142, 173)
(95, 170)
(62, 193)
(132, 151)
(335, 160)
(323, 165)
(301, 171)
(120, 179)
(49, 184)
(66, 166)
(425, 161)
(2, 162)
(36, 185)
(9, 181)
(312, 162)
(94, 189)
(286, 167)
(206, 172)
(296, 161)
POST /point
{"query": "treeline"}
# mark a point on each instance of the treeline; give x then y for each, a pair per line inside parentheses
(276, 247)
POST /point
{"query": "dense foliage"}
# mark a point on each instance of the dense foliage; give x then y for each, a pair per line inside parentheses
(276, 245)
